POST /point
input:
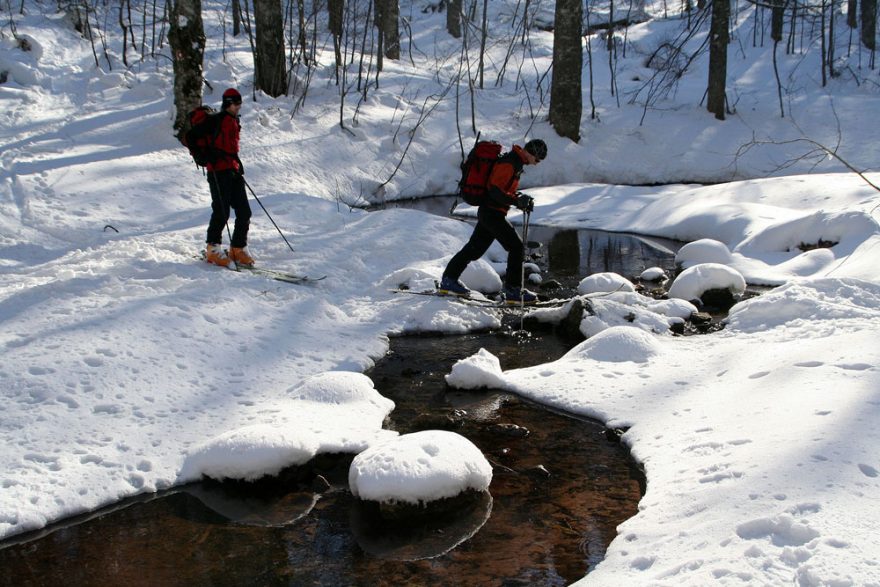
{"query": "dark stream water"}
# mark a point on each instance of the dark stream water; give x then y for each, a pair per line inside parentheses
(560, 485)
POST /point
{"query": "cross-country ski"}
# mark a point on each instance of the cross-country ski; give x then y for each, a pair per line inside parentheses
(478, 299)
(276, 274)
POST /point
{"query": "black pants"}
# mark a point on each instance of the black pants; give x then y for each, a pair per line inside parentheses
(491, 225)
(227, 191)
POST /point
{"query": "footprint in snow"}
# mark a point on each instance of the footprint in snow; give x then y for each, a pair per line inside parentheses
(868, 470)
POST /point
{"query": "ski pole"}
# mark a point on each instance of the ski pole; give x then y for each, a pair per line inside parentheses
(522, 278)
(267, 212)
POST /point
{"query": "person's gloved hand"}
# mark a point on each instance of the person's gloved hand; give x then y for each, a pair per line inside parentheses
(240, 166)
(525, 203)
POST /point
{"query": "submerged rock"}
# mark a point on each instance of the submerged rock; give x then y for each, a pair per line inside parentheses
(449, 419)
(507, 429)
(433, 531)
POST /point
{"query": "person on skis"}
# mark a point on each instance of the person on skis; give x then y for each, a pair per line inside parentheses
(226, 181)
(492, 224)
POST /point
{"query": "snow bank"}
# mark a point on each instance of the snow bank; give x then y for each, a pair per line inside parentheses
(249, 453)
(347, 399)
(757, 441)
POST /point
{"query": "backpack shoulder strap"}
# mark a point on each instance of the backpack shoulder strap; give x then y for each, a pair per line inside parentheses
(515, 162)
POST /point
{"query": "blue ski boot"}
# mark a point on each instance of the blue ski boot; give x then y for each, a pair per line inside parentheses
(449, 286)
(513, 294)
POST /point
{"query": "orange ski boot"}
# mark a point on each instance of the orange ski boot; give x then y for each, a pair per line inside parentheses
(241, 256)
(216, 255)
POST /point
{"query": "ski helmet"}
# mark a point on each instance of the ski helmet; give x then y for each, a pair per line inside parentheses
(537, 149)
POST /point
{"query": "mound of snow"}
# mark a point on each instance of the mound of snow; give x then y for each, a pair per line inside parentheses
(340, 387)
(809, 301)
(481, 276)
(618, 344)
(626, 309)
(819, 226)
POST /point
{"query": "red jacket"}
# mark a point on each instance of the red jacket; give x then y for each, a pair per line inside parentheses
(226, 144)
(504, 179)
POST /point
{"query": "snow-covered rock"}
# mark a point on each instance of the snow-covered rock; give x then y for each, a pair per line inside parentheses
(419, 468)
(704, 250)
(604, 282)
(693, 282)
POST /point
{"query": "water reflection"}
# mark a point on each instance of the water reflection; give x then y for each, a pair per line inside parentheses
(429, 537)
(237, 505)
(579, 253)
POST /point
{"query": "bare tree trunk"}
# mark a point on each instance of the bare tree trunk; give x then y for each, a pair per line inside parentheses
(566, 96)
(869, 23)
(301, 38)
(154, 42)
(335, 10)
(852, 12)
(453, 18)
(187, 38)
(484, 33)
(830, 52)
(589, 38)
(778, 81)
(379, 20)
(777, 19)
(391, 29)
(824, 56)
(269, 63)
(125, 30)
(719, 37)
(236, 18)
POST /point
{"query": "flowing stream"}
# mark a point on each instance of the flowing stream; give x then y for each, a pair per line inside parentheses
(560, 485)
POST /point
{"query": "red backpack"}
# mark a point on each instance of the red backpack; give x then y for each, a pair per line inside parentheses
(475, 172)
(199, 134)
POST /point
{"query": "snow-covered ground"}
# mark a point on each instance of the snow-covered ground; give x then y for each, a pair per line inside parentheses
(130, 366)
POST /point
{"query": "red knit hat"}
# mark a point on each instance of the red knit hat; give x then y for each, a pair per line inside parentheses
(231, 96)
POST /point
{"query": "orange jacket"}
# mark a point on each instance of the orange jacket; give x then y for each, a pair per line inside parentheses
(226, 144)
(504, 179)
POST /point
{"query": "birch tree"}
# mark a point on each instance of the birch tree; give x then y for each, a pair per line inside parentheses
(186, 36)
